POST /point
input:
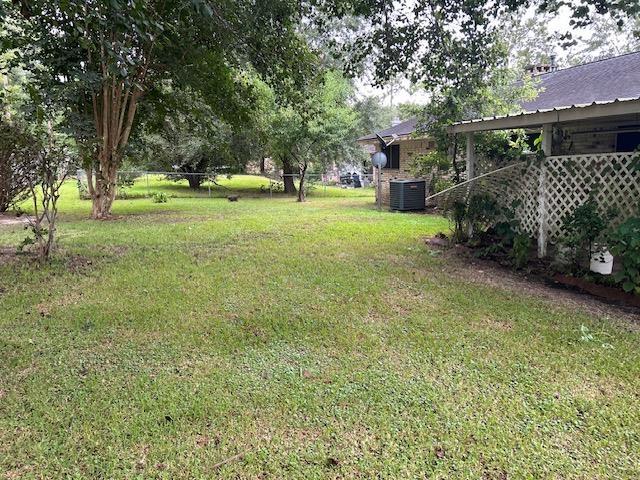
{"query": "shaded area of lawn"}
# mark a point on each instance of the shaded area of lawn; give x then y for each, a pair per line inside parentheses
(316, 340)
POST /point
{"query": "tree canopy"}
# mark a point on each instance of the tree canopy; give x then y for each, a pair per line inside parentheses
(97, 61)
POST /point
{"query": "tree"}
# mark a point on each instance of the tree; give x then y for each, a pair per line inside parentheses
(315, 131)
(181, 133)
(17, 146)
(98, 60)
(607, 39)
(444, 44)
(47, 169)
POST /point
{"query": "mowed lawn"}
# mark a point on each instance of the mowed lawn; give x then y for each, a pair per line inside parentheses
(270, 339)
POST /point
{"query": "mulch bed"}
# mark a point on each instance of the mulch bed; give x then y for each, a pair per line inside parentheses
(611, 294)
(538, 278)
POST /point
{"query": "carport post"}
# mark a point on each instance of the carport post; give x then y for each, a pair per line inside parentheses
(471, 165)
(547, 142)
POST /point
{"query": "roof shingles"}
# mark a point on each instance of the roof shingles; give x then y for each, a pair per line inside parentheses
(601, 81)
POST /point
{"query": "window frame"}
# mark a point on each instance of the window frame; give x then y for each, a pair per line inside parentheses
(389, 152)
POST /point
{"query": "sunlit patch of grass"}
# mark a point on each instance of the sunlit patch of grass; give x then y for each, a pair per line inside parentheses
(298, 340)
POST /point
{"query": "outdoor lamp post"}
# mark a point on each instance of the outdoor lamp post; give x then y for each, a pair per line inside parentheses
(379, 161)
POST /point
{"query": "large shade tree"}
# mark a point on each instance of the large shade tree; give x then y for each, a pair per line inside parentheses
(444, 43)
(98, 60)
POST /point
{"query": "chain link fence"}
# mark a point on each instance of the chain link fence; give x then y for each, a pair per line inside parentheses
(143, 184)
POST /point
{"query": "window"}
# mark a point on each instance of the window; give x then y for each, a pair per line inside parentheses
(627, 141)
(393, 157)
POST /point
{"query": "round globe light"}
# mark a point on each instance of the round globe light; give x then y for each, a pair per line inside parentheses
(379, 159)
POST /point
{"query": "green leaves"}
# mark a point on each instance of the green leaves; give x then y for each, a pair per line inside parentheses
(625, 245)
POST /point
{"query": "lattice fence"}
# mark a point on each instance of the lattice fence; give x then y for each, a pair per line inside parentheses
(544, 191)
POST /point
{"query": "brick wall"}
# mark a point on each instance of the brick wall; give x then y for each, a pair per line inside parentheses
(408, 149)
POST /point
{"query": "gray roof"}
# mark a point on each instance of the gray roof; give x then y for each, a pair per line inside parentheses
(601, 81)
(403, 128)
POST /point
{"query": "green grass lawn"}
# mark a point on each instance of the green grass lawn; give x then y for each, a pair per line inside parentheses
(316, 340)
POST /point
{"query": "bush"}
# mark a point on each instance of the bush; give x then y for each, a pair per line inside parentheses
(581, 229)
(625, 245)
(441, 184)
(520, 251)
(16, 146)
(458, 214)
(482, 212)
(159, 197)
(433, 166)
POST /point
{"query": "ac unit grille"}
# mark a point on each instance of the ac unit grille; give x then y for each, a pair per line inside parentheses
(407, 194)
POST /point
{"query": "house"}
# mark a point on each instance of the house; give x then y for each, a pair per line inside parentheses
(404, 145)
(589, 118)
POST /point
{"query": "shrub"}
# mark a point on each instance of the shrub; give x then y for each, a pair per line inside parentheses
(458, 214)
(625, 245)
(433, 166)
(520, 250)
(16, 146)
(441, 184)
(483, 211)
(581, 229)
(159, 197)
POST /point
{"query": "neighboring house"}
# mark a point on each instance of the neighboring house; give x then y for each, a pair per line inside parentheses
(589, 117)
(404, 145)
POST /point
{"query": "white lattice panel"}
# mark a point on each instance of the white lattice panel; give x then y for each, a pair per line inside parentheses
(610, 179)
(548, 190)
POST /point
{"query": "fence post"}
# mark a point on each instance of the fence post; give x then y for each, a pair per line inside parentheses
(146, 176)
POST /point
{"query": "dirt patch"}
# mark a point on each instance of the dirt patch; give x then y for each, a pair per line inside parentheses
(11, 219)
(462, 264)
(8, 255)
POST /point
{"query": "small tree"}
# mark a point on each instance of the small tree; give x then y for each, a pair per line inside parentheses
(582, 228)
(316, 130)
(46, 172)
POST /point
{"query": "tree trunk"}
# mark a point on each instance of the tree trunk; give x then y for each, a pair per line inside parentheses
(114, 108)
(262, 169)
(301, 193)
(287, 176)
(194, 181)
(102, 188)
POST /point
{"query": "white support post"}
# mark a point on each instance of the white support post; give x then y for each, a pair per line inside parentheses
(547, 142)
(471, 165)
(547, 138)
